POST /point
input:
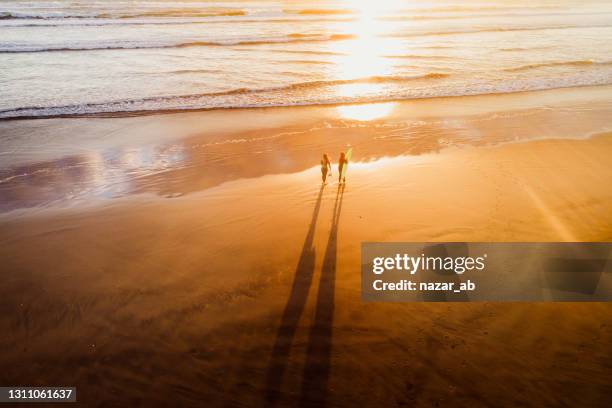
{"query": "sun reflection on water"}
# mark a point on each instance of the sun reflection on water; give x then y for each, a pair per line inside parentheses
(362, 56)
(362, 59)
(369, 111)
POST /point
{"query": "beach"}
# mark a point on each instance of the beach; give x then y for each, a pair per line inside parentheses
(197, 258)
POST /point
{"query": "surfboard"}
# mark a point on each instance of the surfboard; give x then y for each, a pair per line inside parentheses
(348, 155)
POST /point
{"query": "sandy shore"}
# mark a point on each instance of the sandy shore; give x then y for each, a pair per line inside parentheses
(223, 278)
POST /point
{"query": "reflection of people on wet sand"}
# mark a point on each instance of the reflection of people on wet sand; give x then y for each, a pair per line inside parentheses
(325, 166)
(342, 161)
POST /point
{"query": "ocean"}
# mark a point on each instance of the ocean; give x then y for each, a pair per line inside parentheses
(60, 58)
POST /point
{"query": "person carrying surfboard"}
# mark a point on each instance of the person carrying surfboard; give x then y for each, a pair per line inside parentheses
(342, 165)
(325, 165)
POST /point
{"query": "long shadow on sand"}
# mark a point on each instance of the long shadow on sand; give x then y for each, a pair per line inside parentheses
(318, 354)
(293, 310)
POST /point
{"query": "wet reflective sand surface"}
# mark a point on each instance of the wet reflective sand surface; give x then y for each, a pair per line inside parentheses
(62, 162)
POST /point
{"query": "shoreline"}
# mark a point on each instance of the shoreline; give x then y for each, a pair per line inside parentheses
(144, 113)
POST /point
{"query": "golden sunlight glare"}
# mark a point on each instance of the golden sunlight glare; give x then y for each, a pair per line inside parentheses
(365, 112)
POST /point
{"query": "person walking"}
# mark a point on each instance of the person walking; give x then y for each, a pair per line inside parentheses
(342, 161)
(325, 166)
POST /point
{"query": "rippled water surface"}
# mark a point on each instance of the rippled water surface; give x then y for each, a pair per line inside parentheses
(70, 57)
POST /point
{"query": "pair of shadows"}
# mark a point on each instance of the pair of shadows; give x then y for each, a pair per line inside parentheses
(318, 353)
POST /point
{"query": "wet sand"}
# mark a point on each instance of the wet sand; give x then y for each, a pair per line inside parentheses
(214, 269)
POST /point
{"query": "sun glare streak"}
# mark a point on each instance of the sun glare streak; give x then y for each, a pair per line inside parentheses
(554, 220)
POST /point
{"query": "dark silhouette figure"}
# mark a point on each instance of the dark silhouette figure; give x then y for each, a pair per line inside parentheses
(325, 167)
(293, 309)
(342, 161)
(318, 354)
